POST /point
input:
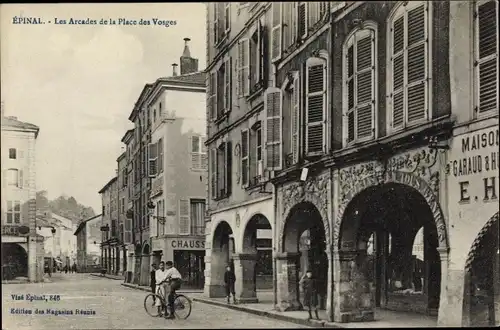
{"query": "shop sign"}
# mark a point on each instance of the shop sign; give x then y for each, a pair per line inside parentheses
(474, 165)
(187, 244)
(14, 230)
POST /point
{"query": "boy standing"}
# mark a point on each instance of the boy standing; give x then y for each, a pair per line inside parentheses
(309, 287)
(229, 279)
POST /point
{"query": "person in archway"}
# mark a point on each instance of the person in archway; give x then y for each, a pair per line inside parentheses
(229, 279)
(310, 289)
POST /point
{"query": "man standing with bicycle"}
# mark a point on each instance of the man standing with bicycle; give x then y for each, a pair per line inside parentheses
(174, 277)
(161, 283)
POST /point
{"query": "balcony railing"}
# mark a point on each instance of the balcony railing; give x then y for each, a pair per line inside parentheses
(197, 230)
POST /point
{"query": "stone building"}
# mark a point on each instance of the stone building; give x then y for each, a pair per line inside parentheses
(369, 109)
(177, 165)
(22, 247)
(109, 239)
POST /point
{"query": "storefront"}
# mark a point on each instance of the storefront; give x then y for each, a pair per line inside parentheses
(188, 256)
(473, 190)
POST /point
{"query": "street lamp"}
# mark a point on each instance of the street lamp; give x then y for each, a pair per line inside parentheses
(160, 219)
(53, 230)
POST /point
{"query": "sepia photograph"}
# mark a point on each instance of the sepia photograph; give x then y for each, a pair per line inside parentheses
(211, 165)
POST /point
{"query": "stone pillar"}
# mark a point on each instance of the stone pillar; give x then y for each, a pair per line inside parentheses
(215, 267)
(118, 259)
(32, 260)
(245, 285)
(352, 293)
(443, 312)
(329, 290)
(288, 282)
(496, 286)
(145, 269)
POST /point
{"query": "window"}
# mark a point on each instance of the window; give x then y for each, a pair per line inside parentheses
(486, 56)
(256, 163)
(184, 217)
(14, 177)
(152, 160)
(227, 85)
(245, 142)
(291, 106)
(197, 217)
(273, 110)
(160, 156)
(221, 15)
(257, 57)
(227, 17)
(315, 111)
(123, 205)
(359, 84)
(243, 67)
(13, 212)
(276, 33)
(221, 170)
(103, 210)
(198, 153)
(222, 86)
(212, 95)
(12, 153)
(302, 20)
(124, 177)
(409, 65)
(160, 106)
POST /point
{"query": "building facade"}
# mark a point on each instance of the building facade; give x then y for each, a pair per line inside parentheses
(121, 262)
(129, 233)
(88, 240)
(177, 166)
(22, 248)
(109, 237)
(369, 109)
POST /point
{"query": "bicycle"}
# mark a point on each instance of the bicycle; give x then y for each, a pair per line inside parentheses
(182, 305)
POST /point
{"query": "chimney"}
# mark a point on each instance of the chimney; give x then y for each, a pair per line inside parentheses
(174, 69)
(188, 64)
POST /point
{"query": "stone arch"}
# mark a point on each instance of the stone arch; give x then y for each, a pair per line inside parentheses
(493, 221)
(256, 221)
(15, 255)
(315, 191)
(429, 191)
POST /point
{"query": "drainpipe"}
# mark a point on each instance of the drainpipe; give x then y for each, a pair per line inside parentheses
(275, 231)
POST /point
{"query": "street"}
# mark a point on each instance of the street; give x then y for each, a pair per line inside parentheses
(115, 307)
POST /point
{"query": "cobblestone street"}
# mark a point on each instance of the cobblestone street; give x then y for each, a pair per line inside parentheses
(115, 306)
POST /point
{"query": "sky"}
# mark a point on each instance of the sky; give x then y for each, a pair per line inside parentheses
(79, 83)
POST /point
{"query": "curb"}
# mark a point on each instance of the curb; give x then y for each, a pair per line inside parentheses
(107, 276)
(280, 317)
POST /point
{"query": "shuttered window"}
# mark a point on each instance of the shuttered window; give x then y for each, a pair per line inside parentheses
(160, 156)
(276, 32)
(220, 21)
(243, 67)
(324, 7)
(228, 173)
(410, 65)
(273, 110)
(184, 217)
(315, 112)
(227, 17)
(212, 95)
(486, 56)
(302, 20)
(359, 84)
(152, 160)
(244, 157)
(295, 119)
(213, 172)
(221, 87)
(227, 85)
(287, 24)
(198, 153)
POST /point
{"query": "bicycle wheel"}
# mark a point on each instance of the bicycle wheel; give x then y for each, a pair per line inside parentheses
(150, 304)
(182, 307)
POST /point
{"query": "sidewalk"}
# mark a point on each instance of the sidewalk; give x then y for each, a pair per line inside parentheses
(265, 307)
(110, 276)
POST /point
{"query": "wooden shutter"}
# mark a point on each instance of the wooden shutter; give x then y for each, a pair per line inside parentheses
(213, 172)
(161, 156)
(210, 95)
(216, 22)
(287, 25)
(244, 157)
(364, 81)
(313, 12)
(302, 19)
(486, 21)
(252, 147)
(204, 155)
(213, 95)
(227, 17)
(20, 178)
(350, 88)
(276, 32)
(398, 72)
(152, 159)
(323, 9)
(294, 18)
(227, 84)
(417, 64)
(184, 217)
(195, 151)
(262, 60)
(295, 119)
(221, 87)
(273, 109)
(229, 168)
(315, 106)
(244, 67)
(221, 171)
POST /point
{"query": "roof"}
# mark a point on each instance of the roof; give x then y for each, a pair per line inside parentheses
(106, 186)
(12, 122)
(145, 91)
(189, 79)
(121, 156)
(84, 222)
(128, 136)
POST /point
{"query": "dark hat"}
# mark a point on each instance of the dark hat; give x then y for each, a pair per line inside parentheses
(308, 271)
